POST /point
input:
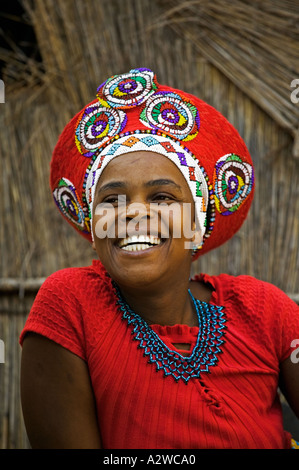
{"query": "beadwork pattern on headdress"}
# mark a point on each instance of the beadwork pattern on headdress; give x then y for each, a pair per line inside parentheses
(187, 124)
(172, 114)
(127, 90)
(233, 182)
(96, 125)
(66, 198)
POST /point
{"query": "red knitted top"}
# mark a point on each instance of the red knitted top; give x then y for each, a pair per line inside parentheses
(147, 394)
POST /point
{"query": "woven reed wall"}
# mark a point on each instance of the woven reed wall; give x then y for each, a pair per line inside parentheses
(81, 44)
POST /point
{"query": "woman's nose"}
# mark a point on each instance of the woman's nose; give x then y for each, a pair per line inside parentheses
(133, 218)
(137, 210)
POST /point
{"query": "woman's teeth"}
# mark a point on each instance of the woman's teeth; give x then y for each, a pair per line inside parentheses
(138, 242)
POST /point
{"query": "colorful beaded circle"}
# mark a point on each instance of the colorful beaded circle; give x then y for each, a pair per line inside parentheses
(127, 90)
(96, 125)
(211, 321)
(172, 114)
(233, 182)
(66, 199)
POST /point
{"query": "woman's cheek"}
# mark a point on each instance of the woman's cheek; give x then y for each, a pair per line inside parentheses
(104, 221)
(176, 219)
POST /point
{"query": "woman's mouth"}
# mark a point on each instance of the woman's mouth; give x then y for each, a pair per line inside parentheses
(139, 242)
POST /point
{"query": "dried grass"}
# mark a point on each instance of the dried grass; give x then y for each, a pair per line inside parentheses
(254, 44)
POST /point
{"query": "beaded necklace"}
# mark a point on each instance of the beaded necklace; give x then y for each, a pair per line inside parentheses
(211, 322)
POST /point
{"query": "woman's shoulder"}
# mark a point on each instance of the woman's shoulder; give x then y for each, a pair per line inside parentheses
(75, 294)
(238, 283)
(69, 304)
(95, 269)
(77, 280)
(257, 290)
(258, 310)
(247, 290)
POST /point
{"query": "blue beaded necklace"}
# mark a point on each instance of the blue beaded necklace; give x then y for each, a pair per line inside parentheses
(211, 322)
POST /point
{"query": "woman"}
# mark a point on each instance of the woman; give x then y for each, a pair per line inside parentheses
(130, 352)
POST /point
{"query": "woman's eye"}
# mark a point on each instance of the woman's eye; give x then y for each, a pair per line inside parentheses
(110, 200)
(163, 197)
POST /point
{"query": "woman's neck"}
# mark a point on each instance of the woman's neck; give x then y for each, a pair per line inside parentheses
(170, 304)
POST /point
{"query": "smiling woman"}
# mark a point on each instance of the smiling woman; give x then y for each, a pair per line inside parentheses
(164, 199)
(148, 235)
(130, 352)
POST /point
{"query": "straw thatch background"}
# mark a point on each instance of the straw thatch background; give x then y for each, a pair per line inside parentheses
(239, 56)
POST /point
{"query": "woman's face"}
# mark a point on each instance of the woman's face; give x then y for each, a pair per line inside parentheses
(143, 219)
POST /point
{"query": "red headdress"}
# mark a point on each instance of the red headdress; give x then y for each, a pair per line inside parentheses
(134, 112)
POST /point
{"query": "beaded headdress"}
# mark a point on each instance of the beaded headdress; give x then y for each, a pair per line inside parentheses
(133, 112)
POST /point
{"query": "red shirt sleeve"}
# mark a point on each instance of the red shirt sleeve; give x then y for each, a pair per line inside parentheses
(57, 313)
(276, 318)
(262, 313)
